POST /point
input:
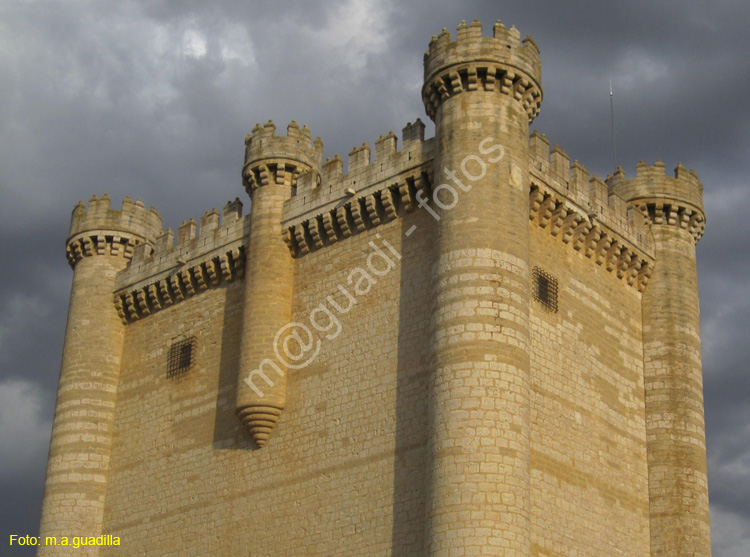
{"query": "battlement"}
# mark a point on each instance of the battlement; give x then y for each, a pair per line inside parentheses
(664, 199)
(296, 151)
(133, 218)
(168, 272)
(502, 62)
(332, 192)
(587, 214)
(505, 47)
(592, 196)
(564, 199)
(99, 230)
(652, 183)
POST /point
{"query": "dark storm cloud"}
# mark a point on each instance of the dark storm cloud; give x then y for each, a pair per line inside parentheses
(154, 99)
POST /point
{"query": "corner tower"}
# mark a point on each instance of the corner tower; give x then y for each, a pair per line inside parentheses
(482, 93)
(100, 244)
(272, 165)
(676, 435)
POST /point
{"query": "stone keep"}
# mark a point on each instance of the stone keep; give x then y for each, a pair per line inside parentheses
(522, 377)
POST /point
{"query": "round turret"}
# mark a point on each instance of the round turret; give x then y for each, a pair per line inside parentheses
(481, 92)
(272, 166)
(502, 63)
(673, 200)
(283, 157)
(100, 245)
(673, 382)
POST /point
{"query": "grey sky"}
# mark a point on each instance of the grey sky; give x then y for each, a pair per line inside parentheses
(154, 99)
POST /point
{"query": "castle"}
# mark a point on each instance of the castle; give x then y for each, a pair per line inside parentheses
(462, 345)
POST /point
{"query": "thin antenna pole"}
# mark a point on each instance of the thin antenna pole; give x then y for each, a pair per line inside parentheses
(612, 113)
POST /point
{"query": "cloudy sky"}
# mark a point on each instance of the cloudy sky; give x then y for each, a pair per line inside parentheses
(154, 99)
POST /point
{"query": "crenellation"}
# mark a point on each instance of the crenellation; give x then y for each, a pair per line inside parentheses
(462, 32)
(199, 259)
(539, 151)
(617, 210)
(468, 34)
(385, 146)
(530, 43)
(672, 208)
(140, 254)
(359, 157)
(677, 200)
(498, 30)
(412, 133)
(267, 130)
(514, 35)
(133, 218)
(187, 232)
(293, 131)
(307, 183)
(598, 196)
(101, 244)
(345, 204)
(164, 241)
(78, 210)
(472, 61)
(345, 215)
(209, 222)
(475, 30)
(587, 214)
(441, 41)
(368, 194)
(100, 230)
(579, 181)
(279, 158)
(689, 176)
(617, 177)
(511, 35)
(559, 167)
(333, 169)
(232, 212)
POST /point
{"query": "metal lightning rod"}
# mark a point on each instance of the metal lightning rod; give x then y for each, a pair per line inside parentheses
(612, 113)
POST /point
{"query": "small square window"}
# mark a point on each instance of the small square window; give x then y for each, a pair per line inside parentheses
(544, 289)
(180, 358)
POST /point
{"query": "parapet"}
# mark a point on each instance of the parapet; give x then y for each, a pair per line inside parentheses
(593, 196)
(586, 213)
(651, 183)
(166, 273)
(662, 198)
(296, 152)
(502, 62)
(101, 230)
(333, 205)
(134, 218)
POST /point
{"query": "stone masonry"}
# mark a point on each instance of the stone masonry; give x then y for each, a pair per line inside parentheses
(462, 345)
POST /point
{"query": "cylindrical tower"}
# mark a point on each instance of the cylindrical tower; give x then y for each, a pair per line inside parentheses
(676, 438)
(482, 93)
(272, 166)
(100, 245)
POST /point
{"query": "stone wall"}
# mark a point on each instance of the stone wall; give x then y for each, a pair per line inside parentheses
(588, 438)
(346, 470)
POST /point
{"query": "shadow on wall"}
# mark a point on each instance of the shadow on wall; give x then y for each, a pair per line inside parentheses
(229, 433)
(411, 477)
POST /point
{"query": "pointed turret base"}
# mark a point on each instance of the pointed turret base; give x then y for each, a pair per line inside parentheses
(260, 421)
